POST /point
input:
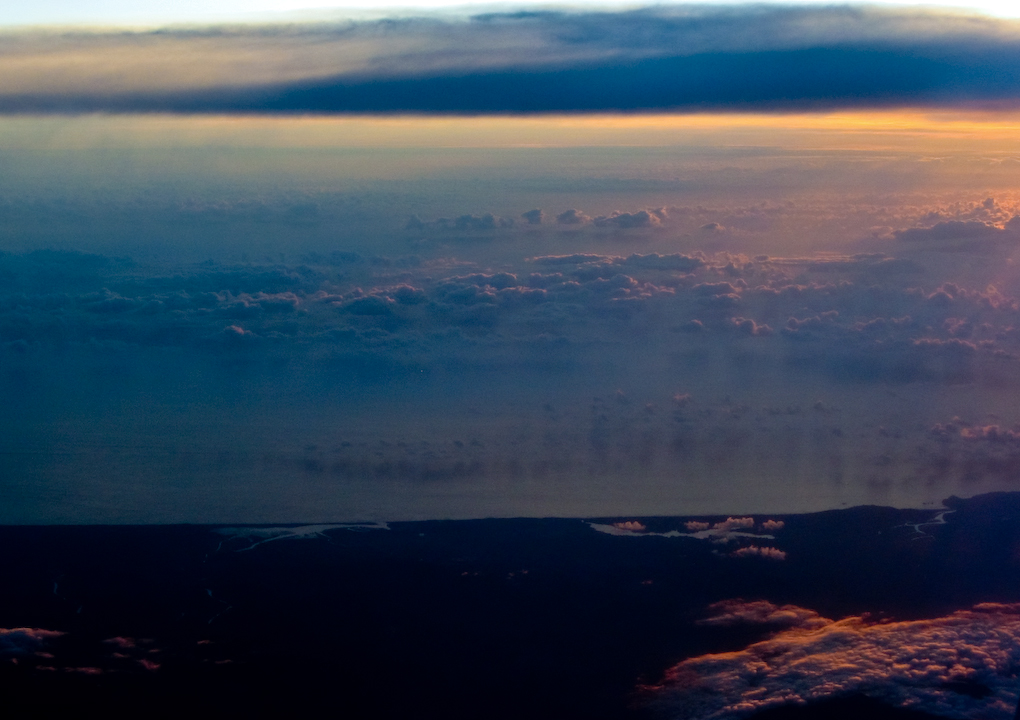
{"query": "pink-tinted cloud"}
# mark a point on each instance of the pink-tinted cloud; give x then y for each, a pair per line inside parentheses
(632, 525)
(731, 523)
(121, 642)
(24, 641)
(754, 551)
(773, 525)
(762, 612)
(84, 670)
(958, 666)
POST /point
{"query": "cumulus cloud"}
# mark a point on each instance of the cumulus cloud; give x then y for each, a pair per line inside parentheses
(572, 217)
(750, 327)
(487, 221)
(959, 230)
(770, 553)
(631, 525)
(624, 220)
(731, 523)
(533, 217)
(959, 666)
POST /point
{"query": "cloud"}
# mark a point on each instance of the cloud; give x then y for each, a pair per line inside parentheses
(16, 642)
(650, 59)
(770, 553)
(750, 327)
(364, 343)
(731, 523)
(488, 221)
(761, 612)
(533, 217)
(631, 525)
(957, 666)
(572, 217)
(124, 643)
(959, 230)
(622, 220)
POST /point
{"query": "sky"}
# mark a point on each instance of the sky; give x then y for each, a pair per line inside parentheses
(578, 262)
(123, 12)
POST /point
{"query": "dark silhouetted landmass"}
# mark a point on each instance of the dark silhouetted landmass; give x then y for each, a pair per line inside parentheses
(456, 619)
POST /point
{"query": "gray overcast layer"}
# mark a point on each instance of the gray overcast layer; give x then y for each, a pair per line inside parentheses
(529, 62)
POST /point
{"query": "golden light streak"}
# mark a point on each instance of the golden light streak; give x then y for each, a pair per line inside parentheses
(899, 130)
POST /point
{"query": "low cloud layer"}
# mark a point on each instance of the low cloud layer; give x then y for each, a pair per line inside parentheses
(962, 665)
(537, 62)
(483, 359)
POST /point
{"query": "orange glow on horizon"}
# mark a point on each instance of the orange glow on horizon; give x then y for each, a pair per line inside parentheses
(910, 129)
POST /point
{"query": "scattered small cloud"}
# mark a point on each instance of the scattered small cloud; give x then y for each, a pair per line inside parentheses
(631, 525)
(572, 217)
(769, 553)
(533, 217)
(731, 523)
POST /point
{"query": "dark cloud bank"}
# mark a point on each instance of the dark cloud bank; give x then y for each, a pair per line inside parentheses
(750, 58)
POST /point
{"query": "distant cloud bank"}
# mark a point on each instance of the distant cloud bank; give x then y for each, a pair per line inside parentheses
(680, 58)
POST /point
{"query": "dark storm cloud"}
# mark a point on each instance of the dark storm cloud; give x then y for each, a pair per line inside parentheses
(654, 59)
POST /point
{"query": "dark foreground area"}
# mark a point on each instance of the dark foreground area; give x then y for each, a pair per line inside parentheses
(545, 618)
